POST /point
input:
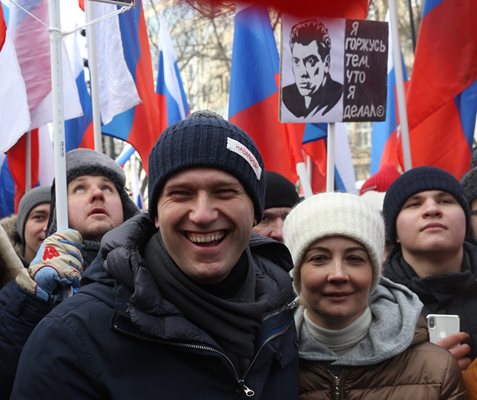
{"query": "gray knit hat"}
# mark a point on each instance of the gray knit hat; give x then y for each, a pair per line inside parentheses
(32, 198)
(80, 162)
(205, 139)
(416, 180)
(334, 214)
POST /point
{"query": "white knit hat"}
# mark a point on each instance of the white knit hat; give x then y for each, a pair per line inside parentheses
(334, 214)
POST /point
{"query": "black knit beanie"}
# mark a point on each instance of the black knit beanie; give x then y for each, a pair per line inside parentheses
(279, 191)
(80, 162)
(205, 139)
(414, 181)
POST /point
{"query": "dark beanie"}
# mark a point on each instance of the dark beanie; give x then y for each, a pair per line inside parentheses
(80, 162)
(205, 139)
(414, 181)
(279, 191)
(29, 201)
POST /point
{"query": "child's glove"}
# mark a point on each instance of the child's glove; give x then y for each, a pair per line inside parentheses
(56, 268)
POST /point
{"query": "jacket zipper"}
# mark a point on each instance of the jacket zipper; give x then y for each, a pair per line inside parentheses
(248, 391)
(336, 386)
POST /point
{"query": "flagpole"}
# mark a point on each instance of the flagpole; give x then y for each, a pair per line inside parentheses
(401, 99)
(330, 158)
(304, 179)
(93, 75)
(58, 113)
(28, 161)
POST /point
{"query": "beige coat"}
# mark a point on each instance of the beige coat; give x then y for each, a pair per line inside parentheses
(10, 250)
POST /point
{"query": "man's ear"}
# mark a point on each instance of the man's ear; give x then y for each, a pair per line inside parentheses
(327, 64)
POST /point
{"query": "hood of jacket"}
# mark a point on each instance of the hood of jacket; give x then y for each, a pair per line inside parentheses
(395, 313)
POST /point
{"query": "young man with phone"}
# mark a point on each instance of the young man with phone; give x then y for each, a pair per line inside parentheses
(427, 222)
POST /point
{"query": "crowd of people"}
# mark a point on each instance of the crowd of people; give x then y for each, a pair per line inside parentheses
(231, 286)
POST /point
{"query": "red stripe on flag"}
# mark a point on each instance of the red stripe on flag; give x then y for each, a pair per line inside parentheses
(439, 140)
(270, 135)
(17, 164)
(145, 128)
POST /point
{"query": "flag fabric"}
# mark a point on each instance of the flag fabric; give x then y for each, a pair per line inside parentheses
(32, 44)
(7, 188)
(442, 98)
(357, 9)
(384, 136)
(138, 126)
(172, 101)
(315, 146)
(254, 92)
(13, 169)
(79, 132)
(117, 90)
(14, 113)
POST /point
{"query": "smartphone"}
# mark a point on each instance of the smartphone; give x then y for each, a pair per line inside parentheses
(442, 325)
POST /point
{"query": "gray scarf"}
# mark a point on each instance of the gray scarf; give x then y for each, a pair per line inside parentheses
(233, 321)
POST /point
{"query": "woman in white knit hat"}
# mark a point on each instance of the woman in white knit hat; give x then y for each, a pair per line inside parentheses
(360, 335)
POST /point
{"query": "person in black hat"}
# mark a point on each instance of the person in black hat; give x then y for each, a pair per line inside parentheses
(97, 202)
(427, 222)
(184, 302)
(280, 197)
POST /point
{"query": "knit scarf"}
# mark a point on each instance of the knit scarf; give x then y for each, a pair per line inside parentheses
(233, 322)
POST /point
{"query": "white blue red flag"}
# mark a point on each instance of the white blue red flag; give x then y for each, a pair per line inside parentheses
(138, 126)
(172, 100)
(384, 137)
(442, 95)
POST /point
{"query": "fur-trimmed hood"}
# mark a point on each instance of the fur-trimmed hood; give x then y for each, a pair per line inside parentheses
(10, 250)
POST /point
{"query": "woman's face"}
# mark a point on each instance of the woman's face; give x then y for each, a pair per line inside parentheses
(336, 275)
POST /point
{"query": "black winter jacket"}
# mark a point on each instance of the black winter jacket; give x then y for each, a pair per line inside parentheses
(454, 293)
(96, 351)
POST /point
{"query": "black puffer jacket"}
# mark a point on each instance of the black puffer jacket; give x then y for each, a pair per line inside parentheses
(454, 293)
(96, 351)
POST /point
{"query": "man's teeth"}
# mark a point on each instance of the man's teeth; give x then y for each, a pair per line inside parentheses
(208, 238)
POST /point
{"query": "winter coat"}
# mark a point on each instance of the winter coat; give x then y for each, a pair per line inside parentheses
(470, 379)
(11, 250)
(394, 361)
(454, 293)
(19, 314)
(118, 338)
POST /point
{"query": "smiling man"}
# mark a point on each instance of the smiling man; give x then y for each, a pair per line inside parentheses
(427, 221)
(183, 303)
(314, 91)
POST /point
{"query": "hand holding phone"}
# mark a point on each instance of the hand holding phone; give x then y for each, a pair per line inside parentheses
(442, 325)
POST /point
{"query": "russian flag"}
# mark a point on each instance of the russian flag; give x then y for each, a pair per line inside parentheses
(254, 92)
(138, 126)
(442, 95)
(79, 131)
(14, 112)
(171, 97)
(32, 45)
(384, 137)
